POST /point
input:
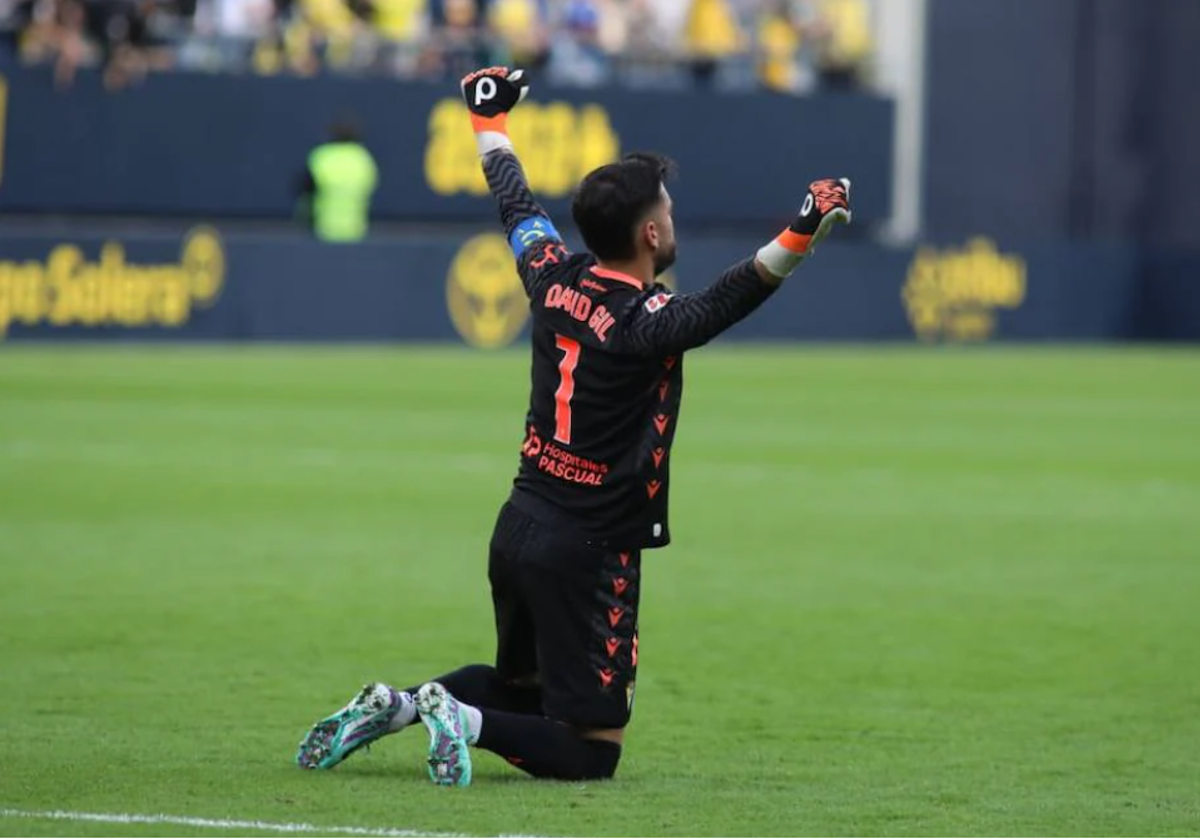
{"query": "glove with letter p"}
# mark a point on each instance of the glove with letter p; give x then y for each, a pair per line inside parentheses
(490, 94)
(827, 204)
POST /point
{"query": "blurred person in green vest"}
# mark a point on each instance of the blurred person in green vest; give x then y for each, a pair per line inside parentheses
(337, 186)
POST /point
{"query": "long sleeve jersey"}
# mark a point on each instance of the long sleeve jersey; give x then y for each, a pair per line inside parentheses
(607, 375)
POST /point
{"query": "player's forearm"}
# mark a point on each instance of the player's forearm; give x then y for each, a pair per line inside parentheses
(765, 274)
(506, 180)
(696, 319)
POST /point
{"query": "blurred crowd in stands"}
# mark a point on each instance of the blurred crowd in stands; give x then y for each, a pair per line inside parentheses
(792, 46)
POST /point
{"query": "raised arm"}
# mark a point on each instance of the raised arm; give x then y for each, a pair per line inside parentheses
(665, 325)
(524, 220)
(490, 94)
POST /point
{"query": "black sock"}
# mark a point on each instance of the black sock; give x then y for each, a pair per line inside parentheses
(545, 748)
(482, 687)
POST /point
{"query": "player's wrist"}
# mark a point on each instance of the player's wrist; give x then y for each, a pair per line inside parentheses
(497, 123)
(784, 253)
(492, 138)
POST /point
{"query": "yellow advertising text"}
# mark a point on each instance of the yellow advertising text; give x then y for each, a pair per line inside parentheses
(953, 294)
(66, 288)
(558, 143)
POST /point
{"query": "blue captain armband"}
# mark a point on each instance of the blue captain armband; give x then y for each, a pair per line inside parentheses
(531, 231)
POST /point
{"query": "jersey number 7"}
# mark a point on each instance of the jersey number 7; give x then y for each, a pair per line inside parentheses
(566, 387)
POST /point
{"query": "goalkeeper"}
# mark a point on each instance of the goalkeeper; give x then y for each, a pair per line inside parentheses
(591, 491)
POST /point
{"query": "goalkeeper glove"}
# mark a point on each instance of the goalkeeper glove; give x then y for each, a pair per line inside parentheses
(490, 94)
(827, 204)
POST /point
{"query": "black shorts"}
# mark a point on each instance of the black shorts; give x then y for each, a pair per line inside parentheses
(567, 612)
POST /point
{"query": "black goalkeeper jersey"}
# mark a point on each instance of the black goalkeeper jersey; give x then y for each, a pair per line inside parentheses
(601, 416)
(607, 376)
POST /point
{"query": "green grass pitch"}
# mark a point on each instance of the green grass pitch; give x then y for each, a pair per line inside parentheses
(912, 591)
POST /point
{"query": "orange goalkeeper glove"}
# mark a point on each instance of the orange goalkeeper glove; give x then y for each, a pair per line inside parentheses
(490, 94)
(827, 204)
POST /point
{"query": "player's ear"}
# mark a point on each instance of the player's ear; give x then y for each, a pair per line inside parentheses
(650, 234)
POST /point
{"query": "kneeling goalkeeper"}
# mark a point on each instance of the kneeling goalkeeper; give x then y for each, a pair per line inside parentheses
(591, 493)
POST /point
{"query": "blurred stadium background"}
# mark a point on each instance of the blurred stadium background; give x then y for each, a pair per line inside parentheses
(1023, 170)
(246, 369)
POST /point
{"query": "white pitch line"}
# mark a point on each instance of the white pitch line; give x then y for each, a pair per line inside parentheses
(201, 822)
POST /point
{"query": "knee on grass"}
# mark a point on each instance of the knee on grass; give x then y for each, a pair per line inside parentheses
(591, 761)
(604, 758)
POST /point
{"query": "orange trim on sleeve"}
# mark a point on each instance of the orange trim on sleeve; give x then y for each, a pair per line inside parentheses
(498, 123)
(797, 243)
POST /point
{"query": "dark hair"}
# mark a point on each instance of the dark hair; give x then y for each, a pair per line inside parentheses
(613, 199)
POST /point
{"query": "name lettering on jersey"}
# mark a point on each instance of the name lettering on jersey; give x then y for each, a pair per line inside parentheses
(657, 302)
(580, 307)
(561, 464)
